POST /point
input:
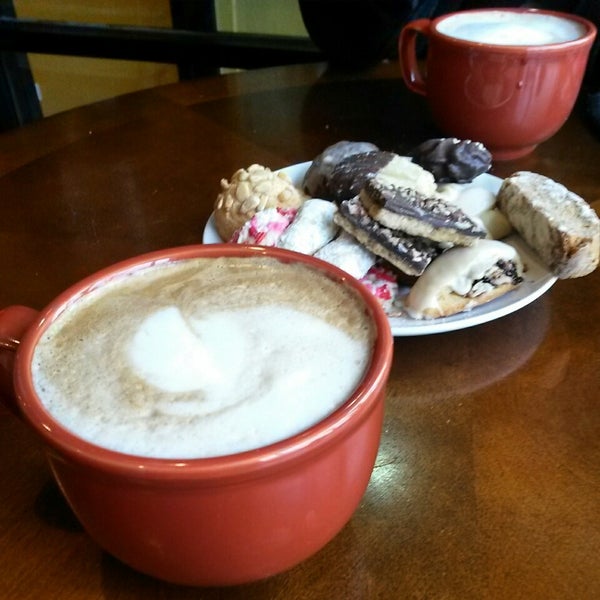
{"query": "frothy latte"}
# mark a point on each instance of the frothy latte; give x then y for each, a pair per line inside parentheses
(203, 357)
(508, 28)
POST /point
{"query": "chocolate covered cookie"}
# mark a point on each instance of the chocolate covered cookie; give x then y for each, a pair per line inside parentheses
(453, 160)
(406, 209)
(410, 254)
(350, 175)
(318, 174)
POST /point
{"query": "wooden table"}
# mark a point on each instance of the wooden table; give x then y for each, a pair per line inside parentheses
(487, 484)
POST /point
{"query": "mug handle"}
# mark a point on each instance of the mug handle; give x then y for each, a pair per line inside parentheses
(413, 76)
(14, 322)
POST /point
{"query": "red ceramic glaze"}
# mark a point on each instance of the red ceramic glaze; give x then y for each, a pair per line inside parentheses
(511, 98)
(214, 521)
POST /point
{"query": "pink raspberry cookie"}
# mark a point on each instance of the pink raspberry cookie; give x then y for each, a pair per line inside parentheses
(382, 283)
(265, 227)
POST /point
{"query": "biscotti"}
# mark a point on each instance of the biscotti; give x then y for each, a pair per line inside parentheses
(561, 227)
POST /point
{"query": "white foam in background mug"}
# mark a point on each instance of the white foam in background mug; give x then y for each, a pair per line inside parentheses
(506, 77)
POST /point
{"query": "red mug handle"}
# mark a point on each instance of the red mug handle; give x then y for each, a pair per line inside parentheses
(14, 322)
(413, 75)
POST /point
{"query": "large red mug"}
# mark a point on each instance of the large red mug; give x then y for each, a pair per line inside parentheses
(219, 520)
(508, 78)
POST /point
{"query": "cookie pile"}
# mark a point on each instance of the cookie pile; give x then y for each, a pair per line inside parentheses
(389, 219)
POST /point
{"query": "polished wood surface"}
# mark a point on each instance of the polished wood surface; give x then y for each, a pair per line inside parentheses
(487, 484)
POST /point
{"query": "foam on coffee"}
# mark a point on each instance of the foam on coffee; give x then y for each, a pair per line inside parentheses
(510, 28)
(203, 357)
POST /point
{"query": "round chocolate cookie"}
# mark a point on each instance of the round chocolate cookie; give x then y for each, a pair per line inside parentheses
(452, 160)
(316, 179)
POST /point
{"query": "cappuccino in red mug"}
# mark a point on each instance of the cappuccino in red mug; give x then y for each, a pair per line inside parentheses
(203, 357)
(136, 354)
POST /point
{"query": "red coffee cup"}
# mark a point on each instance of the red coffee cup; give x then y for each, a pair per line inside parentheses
(508, 78)
(209, 521)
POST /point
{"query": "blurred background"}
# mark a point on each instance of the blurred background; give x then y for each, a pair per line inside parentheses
(60, 54)
(64, 82)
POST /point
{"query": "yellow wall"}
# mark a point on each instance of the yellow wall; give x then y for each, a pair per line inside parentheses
(68, 81)
(280, 17)
(114, 12)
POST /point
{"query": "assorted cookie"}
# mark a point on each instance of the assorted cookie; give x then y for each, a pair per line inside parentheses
(266, 227)
(453, 160)
(465, 277)
(312, 228)
(350, 175)
(559, 225)
(250, 191)
(318, 174)
(406, 209)
(347, 253)
(408, 253)
(395, 221)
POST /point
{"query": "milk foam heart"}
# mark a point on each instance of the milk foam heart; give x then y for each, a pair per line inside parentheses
(172, 354)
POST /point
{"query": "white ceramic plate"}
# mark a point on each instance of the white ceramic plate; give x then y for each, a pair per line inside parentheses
(537, 279)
